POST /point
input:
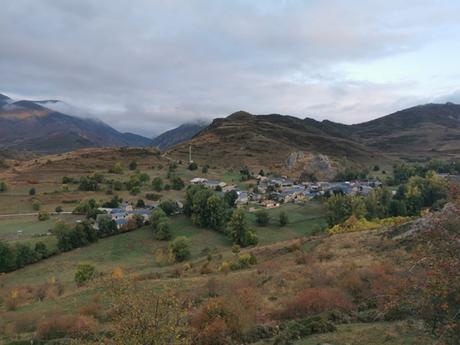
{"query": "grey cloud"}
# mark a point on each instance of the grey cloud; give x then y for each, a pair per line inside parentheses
(146, 66)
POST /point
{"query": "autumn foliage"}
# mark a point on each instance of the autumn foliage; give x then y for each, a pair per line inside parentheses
(313, 301)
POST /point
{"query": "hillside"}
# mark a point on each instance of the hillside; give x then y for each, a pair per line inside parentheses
(178, 135)
(290, 144)
(284, 143)
(27, 125)
(425, 130)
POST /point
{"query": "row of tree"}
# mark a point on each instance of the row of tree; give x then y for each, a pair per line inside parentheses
(13, 257)
(409, 200)
(208, 209)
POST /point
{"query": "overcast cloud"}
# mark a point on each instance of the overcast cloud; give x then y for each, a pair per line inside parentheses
(146, 66)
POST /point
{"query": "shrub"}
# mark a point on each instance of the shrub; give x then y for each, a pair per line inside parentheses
(2, 186)
(60, 326)
(36, 204)
(116, 169)
(58, 209)
(192, 166)
(313, 301)
(299, 329)
(157, 184)
(163, 230)
(262, 217)
(180, 248)
(132, 165)
(244, 261)
(224, 318)
(43, 215)
(84, 274)
(153, 196)
(32, 191)
(177, 183)
(284, 220)
(169, 207)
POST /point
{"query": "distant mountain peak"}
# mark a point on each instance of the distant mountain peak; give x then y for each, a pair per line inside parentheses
(4, 98)
(240, 115)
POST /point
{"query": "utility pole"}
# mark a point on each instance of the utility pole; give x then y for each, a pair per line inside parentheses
(190, 154)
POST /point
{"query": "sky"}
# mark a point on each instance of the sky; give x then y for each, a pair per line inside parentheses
(146, 66)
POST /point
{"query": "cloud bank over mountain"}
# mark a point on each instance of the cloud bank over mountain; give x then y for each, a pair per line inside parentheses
(147, 66)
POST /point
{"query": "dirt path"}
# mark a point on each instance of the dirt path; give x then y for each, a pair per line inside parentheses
(31, 214)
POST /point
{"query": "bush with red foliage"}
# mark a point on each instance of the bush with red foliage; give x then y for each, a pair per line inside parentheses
(224, 318)
(431, 289)
(315, 301)
(60, 326)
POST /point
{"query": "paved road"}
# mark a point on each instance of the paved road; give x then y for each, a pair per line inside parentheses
(29, 214)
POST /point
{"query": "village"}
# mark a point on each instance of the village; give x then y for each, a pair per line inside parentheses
(269, 192)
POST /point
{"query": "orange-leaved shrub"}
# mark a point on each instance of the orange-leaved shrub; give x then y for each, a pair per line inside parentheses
(224, 318)
(60, 326)
(313, 301)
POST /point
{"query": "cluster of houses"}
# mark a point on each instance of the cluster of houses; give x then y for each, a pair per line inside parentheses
(125, 212)
(271, 192)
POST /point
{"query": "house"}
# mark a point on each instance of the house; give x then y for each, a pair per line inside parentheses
(215, 184)
(242, 199)
(199, 181)
(270, 204)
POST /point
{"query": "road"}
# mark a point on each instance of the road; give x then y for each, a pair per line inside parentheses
(31, 214)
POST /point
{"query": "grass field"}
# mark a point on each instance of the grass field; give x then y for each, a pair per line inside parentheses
(303, 220)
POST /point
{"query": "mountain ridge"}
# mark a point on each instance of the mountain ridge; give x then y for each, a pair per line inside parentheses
(28, 125)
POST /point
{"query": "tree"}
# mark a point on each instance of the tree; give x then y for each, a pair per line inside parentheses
(163, 230)
(41, 250)
(157, 184)
(230, 198)
(140, 203)
(24, 255)
(3, 186)
(107, 226)
(204, 169)
(7, 258)
(169, 206)
(156, 217)
(113, 203)
(283, 217)
(32, 191)
(180, 248)
(207, 209)
(216, 209)
(338, 209)
(84, 274)
(239, 230)
(58, 209)
(262, 217)
(192, 166)
(132, 165)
